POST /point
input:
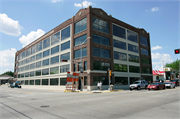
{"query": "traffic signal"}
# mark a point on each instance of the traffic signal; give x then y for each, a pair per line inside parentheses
(64, 60)
(110, 73)
(177, 51)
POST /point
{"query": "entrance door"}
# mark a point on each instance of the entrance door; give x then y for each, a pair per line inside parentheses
(79, 84)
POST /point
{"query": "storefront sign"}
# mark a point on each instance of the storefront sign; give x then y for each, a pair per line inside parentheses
(157, 72)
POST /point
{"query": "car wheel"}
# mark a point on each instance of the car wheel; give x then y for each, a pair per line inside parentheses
(148, 89)
(164, 88)
(20, 87)
(138, 88)
(174, 86)
(157, 88)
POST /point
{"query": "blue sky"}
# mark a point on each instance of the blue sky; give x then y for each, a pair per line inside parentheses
(23, 21)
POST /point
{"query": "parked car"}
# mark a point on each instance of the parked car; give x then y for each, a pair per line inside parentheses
(139, 85)
(16, 85)
(175, 81)
(169, 85)
(156, 86)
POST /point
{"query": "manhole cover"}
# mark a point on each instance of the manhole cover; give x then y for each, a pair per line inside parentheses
(45, 106)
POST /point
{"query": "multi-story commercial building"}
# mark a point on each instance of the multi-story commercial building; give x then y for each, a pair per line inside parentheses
(113, 44)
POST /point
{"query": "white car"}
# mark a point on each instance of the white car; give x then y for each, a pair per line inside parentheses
(169, 85)
(139, 85)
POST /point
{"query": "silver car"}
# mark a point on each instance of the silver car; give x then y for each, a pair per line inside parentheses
(170, 85)
(139, 85)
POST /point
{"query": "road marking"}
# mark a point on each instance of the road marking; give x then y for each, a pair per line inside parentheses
(18, 91)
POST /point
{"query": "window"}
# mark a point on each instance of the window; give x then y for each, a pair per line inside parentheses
(121, 80)
(39, 46)
(54, 49)
(54, 70)
(22, 82)
(65, 33)
(39, 56)
(120, 67)
(133, 79)
(46, 43)
(85, 65)
(45, 81)
(100, 39)
(119, 31)
(22, 68)
(101, 66)
(19, 69)
(145, 60)
(146, 70)
(24, 62)
(38, 64)
(22, 75)
(31, 82)
(26, 82)
(37, 82)
(55, 59)
(64, 68)
(46, 53)
(75, 68)
(32, 66)
(80, 25)
(65, 46)
(28, 52)
(132, 36)
(77, 53)
(27, 67)
(33, 58)
(31, 73)
(27, 74)
(65, 56)
(55, 38)
(85, 81)
(119, 44)
(134, 69)
(80, 40)
(100, 25)
(20, 56)
(63, 81)
(120, 56)
(133, 58)
(33, 49)
(103, 79)
(45, 71)
(24, 54)
(144, 41)
(98, 52)
(45, 62)
(133, 48)
(38, 73)
(144, 51)
(19, 76)
(54, 81)
(79, 66)
(27, 60)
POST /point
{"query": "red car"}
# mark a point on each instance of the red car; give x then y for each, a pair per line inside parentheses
(156, 86)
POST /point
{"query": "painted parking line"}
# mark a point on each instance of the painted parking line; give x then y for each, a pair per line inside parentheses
(18, 91)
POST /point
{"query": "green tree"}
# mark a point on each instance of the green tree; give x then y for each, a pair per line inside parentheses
(174, 65)
(10, 73)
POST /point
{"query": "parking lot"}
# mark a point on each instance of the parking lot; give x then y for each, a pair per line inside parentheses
(53, 104)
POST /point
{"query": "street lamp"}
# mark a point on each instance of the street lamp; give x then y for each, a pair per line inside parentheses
(81, 69)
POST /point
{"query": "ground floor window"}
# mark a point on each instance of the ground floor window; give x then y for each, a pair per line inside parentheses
(121, 80)
(148, 79)
(26, 82)
(63, 81)
(45, 81)
(133, 79)
(22, 82)
(54, 81)
(31, 82)
(103, 79)
(37, 82)
(85, 81)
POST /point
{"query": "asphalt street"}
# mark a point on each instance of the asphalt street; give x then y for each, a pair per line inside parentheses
(52, 104)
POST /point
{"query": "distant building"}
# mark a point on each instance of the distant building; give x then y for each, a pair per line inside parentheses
(6, 79)
(113, 44)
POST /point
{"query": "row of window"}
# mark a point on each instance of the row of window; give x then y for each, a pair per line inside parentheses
(45, 62)
(47, 71)
(61, 35)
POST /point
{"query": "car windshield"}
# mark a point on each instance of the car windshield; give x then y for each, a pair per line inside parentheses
(136, 82)
(167, 82)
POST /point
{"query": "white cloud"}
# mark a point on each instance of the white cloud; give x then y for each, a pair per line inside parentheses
(54, 1)
(7, 58)
(156, 48)
(154, 9)
(159, 59)
(9, 26)
(33, 35)
(85, 4)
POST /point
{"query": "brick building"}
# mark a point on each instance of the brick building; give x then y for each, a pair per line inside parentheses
(113, 44)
